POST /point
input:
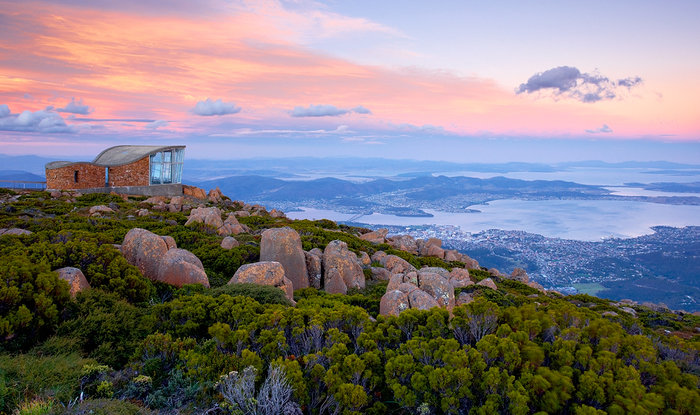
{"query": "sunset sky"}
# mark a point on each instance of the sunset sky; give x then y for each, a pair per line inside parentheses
(414, 79)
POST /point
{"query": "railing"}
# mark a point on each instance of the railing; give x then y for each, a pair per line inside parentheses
(22, 185)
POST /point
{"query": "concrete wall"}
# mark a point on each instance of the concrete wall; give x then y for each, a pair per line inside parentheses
(132, 174)
(63, 178)
(155, 190)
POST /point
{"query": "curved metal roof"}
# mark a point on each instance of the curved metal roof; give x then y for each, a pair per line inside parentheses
(117, 156)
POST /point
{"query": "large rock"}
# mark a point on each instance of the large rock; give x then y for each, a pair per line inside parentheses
(274, 213)
(378, 256)
(14, 231)
(314, 260)
(396, 265)
(75, 279)
(380, 274)
(169, 241)
(264, 273)
(439, 288)
(488, 282)
(210, 216)
(404, 242)
(431, 247)
(176, 203)
(284, 246)
(215, 195)
(334, 283)
(393, 303)
(434, 270)
(231, 226)
(376, 237)
(194, 191)
(337, 256)
(459, 277)
(364, 259)
(422, 300)
(229, 242)
(144, 249)
(179, 267)
(100, 210)
(520, 274)
(464, 298)
(394, 281)
(452, 255)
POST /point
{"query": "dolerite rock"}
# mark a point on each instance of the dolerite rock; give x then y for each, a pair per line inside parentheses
(519, 274)
(241, 213)
(210, 216)
(365, 261)
(215, 195)
(194, 191)
(156, 200)
(394, 281)
(421, 300)
(488, 282)
(14, 231)
(284, 246)
(142, 212)
(179, 267)
(406, 287)
(55, 194)
(378, 256)
(314, 259)
(231, 226)
(144, 249)
(452, 255)
(100, 210)
(229, 242)
(459, 277)
(264, 273)
(396, 264)
(274, 213)
(380, 274)
(536, 286)
(469, 262)
(75, 279)
(435, 270)
(176, 203)
(411, 277)
(464, 298)
(393, 303)
(431, 247)
(495, 273)
(169, 241)
(337, 256)
(404, 242)
(376, 237)
(439, 288)
(334, 283)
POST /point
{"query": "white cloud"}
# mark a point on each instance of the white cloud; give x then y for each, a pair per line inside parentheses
(42, 121)
(76, 107)
(602, 130)
(209, 107)
(326, 111)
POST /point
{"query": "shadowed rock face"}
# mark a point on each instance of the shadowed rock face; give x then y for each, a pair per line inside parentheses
(439, 288)
(421, 300)
(284, 246)
(264, 273)
(75, 279)
(179, 267)
(144, 249)
(337, 256)
(334, 283)
(314, 259)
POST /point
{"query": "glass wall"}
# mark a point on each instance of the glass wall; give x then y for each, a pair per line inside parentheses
(166, 166)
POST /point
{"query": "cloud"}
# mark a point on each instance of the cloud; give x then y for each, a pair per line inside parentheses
(208, 107)
(42, 121)
(76, 107)
(326, 111)
(156, 124)
(602, 130)
(571, 82)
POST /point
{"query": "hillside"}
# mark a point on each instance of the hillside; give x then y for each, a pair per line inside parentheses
(383, 325)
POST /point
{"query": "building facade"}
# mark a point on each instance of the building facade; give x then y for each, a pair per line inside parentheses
(138, 170)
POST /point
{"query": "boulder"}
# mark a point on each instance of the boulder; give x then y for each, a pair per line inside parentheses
(376, 237)
(55, 194)
(333, 282)
(274, 213)
(459, 274)
(210, 216)
(264, 273)
(229, 242)
(431, 247)
(439, 288)
(169, 241)
(434, 270)
(144, 249)
(284, 246)
(396, 264)
(231, 226)
(495, 273)
(377, 256)
(241, 213)
(452, 255)
(142, 212)
(411, 277)
(215, 195)
(179, 267)
(176, 203)
(536, 286)
(314, 259)
(519, 274)
(406, 287)
(488, 282)
(337, 256)
(403, 242)
(156, 200)
(469, 262)
(365, 261)
(380, 274)
(393, 303)
(464, 298)
(75, 279)
(394, 281)
(422, 300)
(194, 191)
(100, 210)
(14, 231)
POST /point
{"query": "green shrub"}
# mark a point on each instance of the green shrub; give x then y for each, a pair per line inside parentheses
(263, 294)
(106, 407)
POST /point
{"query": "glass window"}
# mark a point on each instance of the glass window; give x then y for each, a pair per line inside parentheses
(166, 166)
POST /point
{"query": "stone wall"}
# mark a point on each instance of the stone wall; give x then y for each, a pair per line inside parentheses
(89, 176)
(132, 174)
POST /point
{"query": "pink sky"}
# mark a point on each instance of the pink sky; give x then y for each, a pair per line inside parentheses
(139, 73)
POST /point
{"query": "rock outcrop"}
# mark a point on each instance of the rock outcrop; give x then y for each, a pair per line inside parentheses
(264, 273)
(210, 216)
(231, 226)
(284, 246)
(393, 303)
(314, 262)
(439, 288)
(100, 210)
(179, 267)
(375, 237)
(215, 195)
(338, 256)
(488, 282)
(519, 274)
(75, 279)
(403, 242)
(431, 247)
(169, 241)
(229, 242)
(194, 191)
(14, 231)
(396, 264)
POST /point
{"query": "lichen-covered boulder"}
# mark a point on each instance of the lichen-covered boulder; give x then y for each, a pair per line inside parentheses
(169, 241)
(284, 246)
(459, 277)
(314, 260)
(421, 300)
(375, 237)
(396, 264)
(144, 249)
(210, 216)
(406, 287)
(333, 282)
(431, 247)
(100, 210)
(215, 195)
(394, 281)
(393, 303)
(380, 274)
(14, 231)
(338, 256)
(231, 226)
(75, 279)
(439, 288)
(176, 203)
(488, 282)
(377, 256)
(403, 242)
(179, 267)
(464, 298)
(264, 273)
(520, 274)
(364, 259)
(194, 191)
(229, 242)
(434, 270)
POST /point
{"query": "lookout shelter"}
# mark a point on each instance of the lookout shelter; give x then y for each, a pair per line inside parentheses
(126, 169)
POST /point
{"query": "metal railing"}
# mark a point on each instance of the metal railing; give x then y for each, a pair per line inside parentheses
(22, 185)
